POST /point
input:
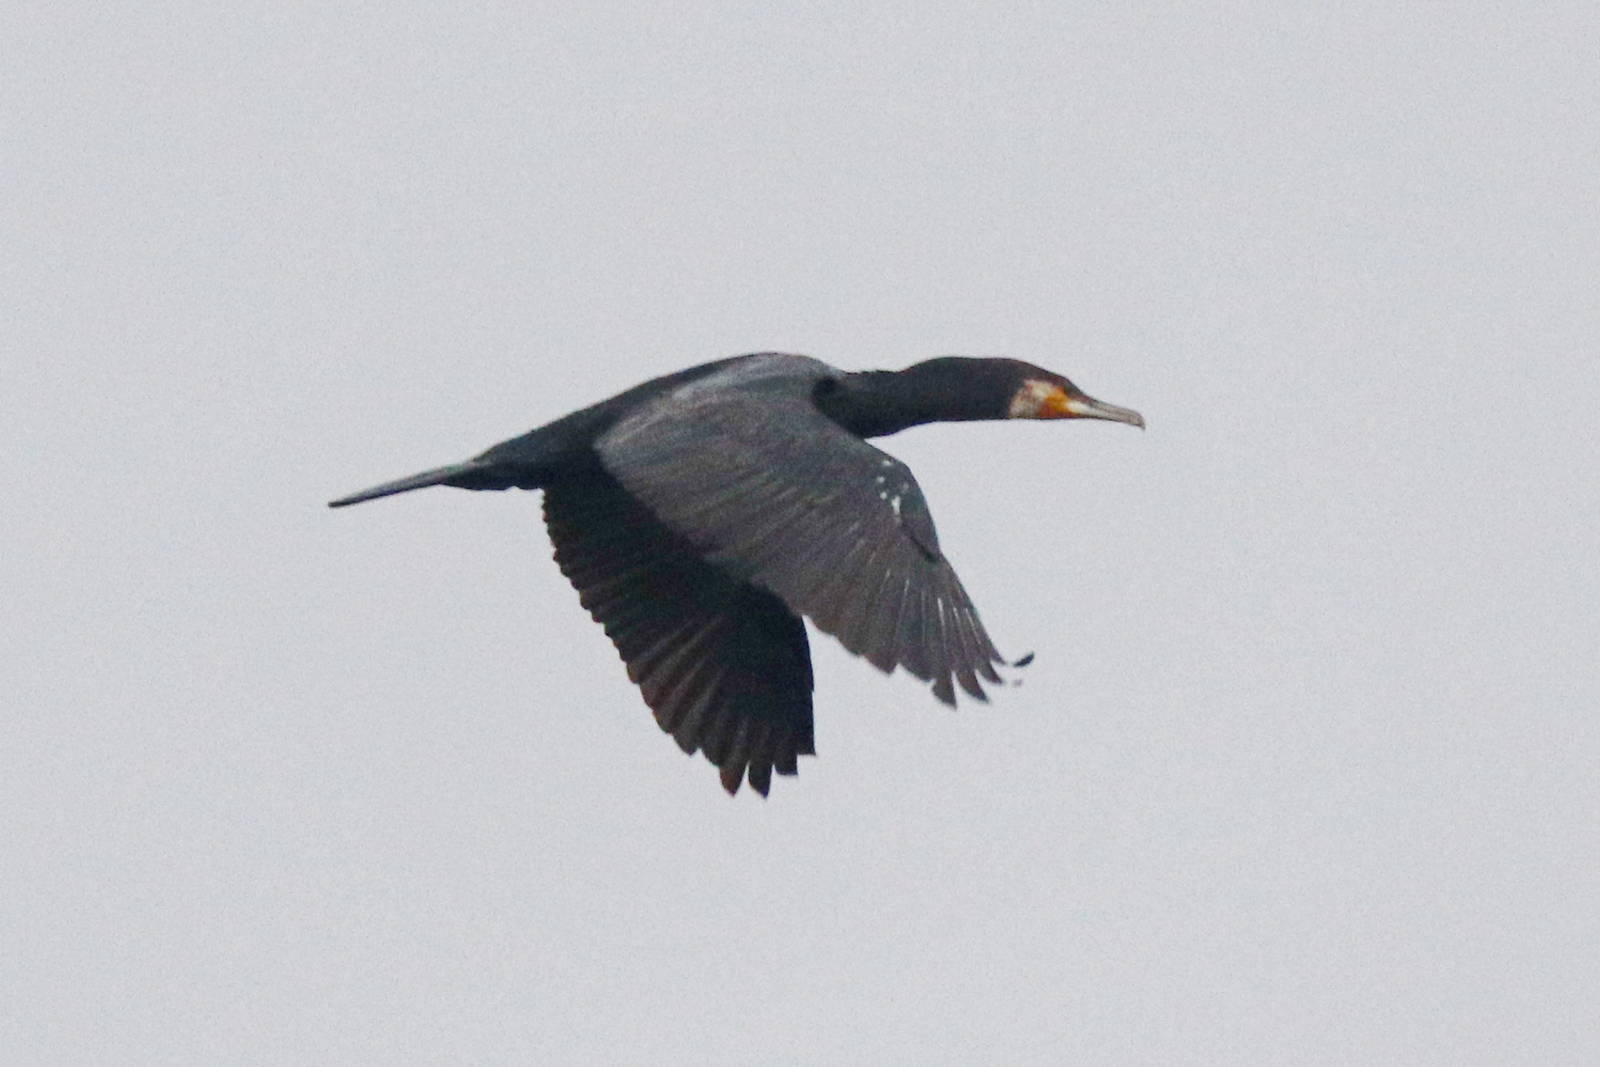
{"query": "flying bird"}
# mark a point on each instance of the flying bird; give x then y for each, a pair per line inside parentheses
(700, 515)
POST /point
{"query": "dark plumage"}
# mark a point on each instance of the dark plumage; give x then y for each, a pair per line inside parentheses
(701, 514)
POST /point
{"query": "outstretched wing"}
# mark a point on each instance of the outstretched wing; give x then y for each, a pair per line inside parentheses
(724, 665)
(769, 489)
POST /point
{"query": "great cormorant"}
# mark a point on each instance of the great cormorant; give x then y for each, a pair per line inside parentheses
(701, 514)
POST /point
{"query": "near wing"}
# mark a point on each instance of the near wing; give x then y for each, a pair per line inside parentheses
(773, 491)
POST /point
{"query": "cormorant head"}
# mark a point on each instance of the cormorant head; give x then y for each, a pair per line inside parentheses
(998, 388)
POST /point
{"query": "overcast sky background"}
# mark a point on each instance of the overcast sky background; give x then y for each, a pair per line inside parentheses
(1305, 771)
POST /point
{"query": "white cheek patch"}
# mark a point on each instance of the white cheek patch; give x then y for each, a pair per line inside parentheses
(1029, 400)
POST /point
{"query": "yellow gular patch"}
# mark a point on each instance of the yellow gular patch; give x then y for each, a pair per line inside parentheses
(1036, 400)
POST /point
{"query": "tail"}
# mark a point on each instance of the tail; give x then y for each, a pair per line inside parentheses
(464, 475)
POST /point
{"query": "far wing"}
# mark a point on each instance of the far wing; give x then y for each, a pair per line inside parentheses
(724, 665)
(775, 492)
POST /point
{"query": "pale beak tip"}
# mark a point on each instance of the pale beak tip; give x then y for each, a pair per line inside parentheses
(1087, 407)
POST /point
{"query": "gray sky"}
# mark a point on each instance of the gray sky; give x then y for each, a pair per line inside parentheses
(1306, 769)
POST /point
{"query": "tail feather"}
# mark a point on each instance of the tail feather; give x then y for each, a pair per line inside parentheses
(460, 474)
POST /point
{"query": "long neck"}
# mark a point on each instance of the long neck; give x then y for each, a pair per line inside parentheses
(878, 402)
(867, 404)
